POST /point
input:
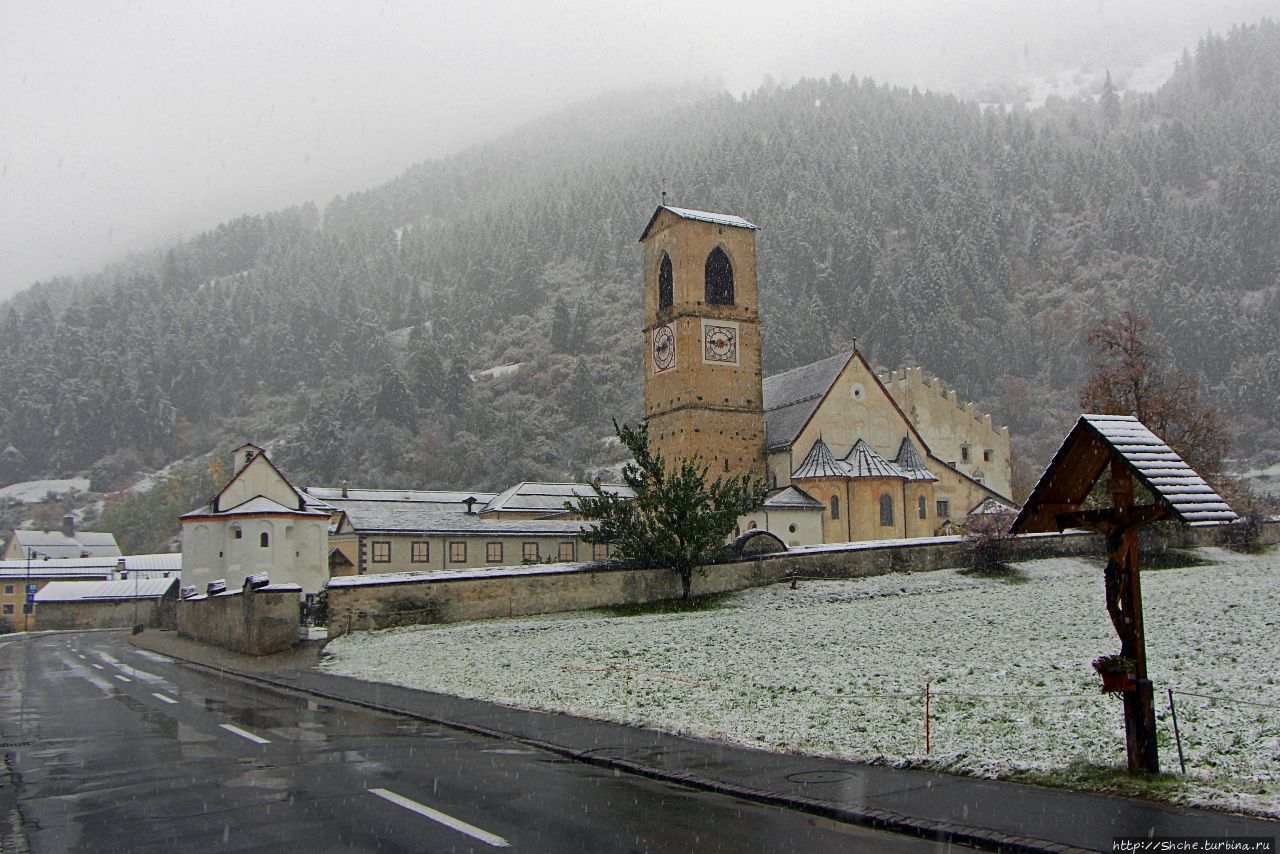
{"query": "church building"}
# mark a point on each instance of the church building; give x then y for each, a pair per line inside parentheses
(851, 455)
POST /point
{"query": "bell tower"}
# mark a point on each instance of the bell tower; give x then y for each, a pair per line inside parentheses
(702, 388)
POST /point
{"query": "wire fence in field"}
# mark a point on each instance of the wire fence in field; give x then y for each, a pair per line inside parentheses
(1210, 732)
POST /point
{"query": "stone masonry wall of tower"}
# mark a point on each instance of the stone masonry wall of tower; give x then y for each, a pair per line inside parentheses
(703, 393)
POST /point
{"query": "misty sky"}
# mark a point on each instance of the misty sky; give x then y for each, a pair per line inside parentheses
(127, 124)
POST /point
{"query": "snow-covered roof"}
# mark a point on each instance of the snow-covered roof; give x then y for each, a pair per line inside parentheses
(497, 371)
(703, 216)
(57, 544)
(820, 462)
(333, 496)
(259, 505)
(95, 566)
(911, 463)
(991, 507)
(77, 591)
(791, 397)
(791, 498)
(1090, 446)
(389, 517)
(546, 498)
(863, 461)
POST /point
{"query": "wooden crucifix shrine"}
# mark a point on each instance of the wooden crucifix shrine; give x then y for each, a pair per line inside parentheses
(1133, 454)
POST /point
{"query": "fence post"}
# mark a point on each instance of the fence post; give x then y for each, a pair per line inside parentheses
(928, 736)
(1177, 736)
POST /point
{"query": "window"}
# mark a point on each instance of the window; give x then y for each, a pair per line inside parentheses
(791, 528)
(566, 551)
(419, 551)
(493, 552)
(964, 453)
(8, 609)
(599, 551)
(264, 540)
(988, 455)
(835, 507)
(8, 589)
(382, 551)
(719, 273)
(236, 532)
(666, 283)
(924, 507)
(886, 511)
(458, 552)
(944, 509)
(529, 552)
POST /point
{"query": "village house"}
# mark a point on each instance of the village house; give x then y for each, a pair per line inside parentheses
(67, 542)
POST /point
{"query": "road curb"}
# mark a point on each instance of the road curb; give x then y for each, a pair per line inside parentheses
(877, 819)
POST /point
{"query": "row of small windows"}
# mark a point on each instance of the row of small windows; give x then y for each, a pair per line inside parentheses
(717, 276)
(886, 508)
(987, 455)
(420, 551)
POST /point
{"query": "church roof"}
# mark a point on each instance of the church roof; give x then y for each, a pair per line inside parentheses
(863, 461)
(791, 397)
(704, 216)
(792, 498)
(820, 462)
(911, 463)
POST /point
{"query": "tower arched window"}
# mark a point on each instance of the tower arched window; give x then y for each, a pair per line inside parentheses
(835, 507)
(666, 283)
(923, 507)
(719, 274)
(886, 511)
(264, 539)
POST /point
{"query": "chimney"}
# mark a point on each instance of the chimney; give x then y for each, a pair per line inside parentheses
(470, 501)
(344, 489)
(69, 525)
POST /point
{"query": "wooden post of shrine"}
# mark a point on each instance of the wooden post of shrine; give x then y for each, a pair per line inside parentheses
(1124, 604)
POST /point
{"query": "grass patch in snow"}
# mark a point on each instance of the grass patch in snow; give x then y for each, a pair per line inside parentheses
(1108, 780)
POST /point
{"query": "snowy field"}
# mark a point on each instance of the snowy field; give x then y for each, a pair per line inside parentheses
(839, 668)
(35, 491)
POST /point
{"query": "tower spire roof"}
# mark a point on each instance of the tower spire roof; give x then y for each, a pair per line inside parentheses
(820, 462)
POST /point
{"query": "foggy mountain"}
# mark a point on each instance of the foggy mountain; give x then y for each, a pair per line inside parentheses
(981, 244)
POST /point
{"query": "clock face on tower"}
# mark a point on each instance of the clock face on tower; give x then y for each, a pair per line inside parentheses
(664, 349)
(720, 342)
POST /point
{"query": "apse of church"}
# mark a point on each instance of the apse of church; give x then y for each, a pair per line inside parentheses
(702, 334)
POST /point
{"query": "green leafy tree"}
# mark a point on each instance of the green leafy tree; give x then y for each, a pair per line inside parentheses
(676, 519)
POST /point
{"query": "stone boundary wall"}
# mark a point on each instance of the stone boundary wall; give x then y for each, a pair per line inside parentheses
(107, 614)
(368, 602)
(249, 621)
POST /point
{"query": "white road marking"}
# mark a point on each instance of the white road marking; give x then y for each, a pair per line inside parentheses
(97, 665)
(162, 698)
(245, 734)
(447, 820)
(122, 678)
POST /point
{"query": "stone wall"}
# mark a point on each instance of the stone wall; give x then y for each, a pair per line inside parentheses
(107, 614)
(362, 603)
(249, 621)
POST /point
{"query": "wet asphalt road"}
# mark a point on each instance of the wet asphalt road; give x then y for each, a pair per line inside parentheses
(113, 748)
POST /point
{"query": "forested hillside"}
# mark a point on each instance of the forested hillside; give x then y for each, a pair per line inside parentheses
(979, 243)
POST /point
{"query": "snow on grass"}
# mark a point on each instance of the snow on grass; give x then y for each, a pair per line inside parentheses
(838, 668)
(35, 491)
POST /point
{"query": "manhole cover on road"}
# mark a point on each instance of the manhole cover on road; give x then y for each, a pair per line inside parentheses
(820, 776)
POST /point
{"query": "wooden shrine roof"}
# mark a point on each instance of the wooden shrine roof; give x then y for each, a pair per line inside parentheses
(1086, 452)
